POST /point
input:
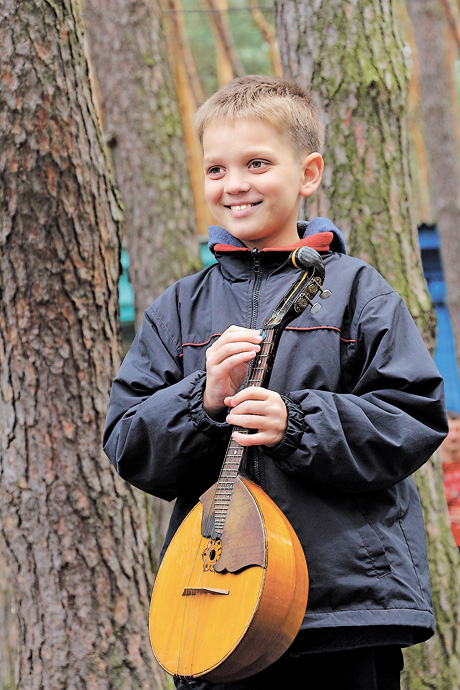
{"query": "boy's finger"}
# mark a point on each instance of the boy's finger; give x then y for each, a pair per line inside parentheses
(220, 354)
(246, 439)
(235, 333)
(250, 393)
(248, 421)
(259, 439)
(229, 362)
(253, 407)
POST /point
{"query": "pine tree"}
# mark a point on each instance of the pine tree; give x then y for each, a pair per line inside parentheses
(350, 54)
(74, 535)
(142, 125)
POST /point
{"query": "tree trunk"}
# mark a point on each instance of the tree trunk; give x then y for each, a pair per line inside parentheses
(452, 14)
(421, 202)
(190, 95)
(350, 54)
(228, 62)
(75, 536)
(361, 84)
(269, 34)
(439, 106)
(143, 128)
(9, 645)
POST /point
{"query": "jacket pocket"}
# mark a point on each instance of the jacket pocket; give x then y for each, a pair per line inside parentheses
(371, 542)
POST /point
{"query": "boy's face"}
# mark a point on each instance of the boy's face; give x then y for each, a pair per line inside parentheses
(254, 181)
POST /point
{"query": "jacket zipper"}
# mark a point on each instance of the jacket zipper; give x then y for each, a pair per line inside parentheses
(255, 311)
(255, 295)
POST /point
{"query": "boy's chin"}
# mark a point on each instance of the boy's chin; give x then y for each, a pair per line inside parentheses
(264, 240)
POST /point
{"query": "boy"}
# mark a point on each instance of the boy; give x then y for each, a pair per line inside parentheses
(355, 402)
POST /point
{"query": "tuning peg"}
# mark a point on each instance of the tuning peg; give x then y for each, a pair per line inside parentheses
(325, 294)
(314, 309)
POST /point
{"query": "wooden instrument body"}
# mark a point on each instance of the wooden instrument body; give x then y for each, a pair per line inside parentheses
(223, 626)
(232, 589)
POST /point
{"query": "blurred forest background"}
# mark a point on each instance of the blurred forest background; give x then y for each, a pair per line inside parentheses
(98, 155)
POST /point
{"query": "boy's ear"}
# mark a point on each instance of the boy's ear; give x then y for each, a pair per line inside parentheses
(313, 166)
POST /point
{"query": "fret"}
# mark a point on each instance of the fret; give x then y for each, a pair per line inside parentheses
(292, 304)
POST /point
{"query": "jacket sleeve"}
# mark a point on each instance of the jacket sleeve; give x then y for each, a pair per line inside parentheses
(387, 421)
(157, 434)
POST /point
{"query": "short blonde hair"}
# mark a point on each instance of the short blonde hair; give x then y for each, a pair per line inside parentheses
(281, 103)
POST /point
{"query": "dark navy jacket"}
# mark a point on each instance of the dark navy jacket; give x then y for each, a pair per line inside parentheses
(365, 410)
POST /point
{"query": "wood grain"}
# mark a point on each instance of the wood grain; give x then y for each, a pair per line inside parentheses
(231, 636)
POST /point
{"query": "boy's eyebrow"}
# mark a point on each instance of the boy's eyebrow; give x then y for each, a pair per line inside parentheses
(255, 153)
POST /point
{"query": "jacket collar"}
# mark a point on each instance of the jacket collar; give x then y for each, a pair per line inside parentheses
(319, 233)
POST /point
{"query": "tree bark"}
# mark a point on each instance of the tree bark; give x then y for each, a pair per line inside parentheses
(9, 644)
(269, 34)
(439, 107)
(350, 54)
(75, 536)
(143, 127)
(228, 62)
(421, 201)
(452, 14)
(190, 95)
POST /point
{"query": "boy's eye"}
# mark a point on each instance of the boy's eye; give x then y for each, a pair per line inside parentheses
(214, 170)
(257, 165)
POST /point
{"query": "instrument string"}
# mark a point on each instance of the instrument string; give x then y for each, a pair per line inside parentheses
(214, 521)
(186, 601)
(235, 452)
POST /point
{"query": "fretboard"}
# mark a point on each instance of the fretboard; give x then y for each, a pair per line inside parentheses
(235, 452)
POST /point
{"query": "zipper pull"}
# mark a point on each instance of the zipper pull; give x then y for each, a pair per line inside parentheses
(256, 256)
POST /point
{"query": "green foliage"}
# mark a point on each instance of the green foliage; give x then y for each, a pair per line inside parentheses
(252, 49)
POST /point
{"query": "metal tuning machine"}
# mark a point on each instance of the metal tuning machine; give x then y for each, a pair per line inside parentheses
(309, 260)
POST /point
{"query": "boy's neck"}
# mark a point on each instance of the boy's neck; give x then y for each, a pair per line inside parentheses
(327, 237)
(285, 241)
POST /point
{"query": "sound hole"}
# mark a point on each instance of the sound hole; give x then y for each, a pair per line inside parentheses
(211, 554)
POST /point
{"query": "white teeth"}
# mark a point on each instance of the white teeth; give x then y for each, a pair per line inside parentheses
(242, 207)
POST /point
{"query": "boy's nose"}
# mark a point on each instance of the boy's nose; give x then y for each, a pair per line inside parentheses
(236, 182)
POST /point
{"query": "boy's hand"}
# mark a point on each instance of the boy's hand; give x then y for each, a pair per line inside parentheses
(227, 365)
(261, 409)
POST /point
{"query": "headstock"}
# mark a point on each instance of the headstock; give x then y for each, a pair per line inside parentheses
(303, 290)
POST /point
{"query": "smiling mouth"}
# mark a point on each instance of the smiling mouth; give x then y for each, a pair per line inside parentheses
(241, 207)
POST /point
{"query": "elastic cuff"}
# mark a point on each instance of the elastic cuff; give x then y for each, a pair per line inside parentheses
(198, 415)
(295, 428)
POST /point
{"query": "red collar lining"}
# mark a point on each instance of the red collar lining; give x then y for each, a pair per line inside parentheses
(321, 241)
